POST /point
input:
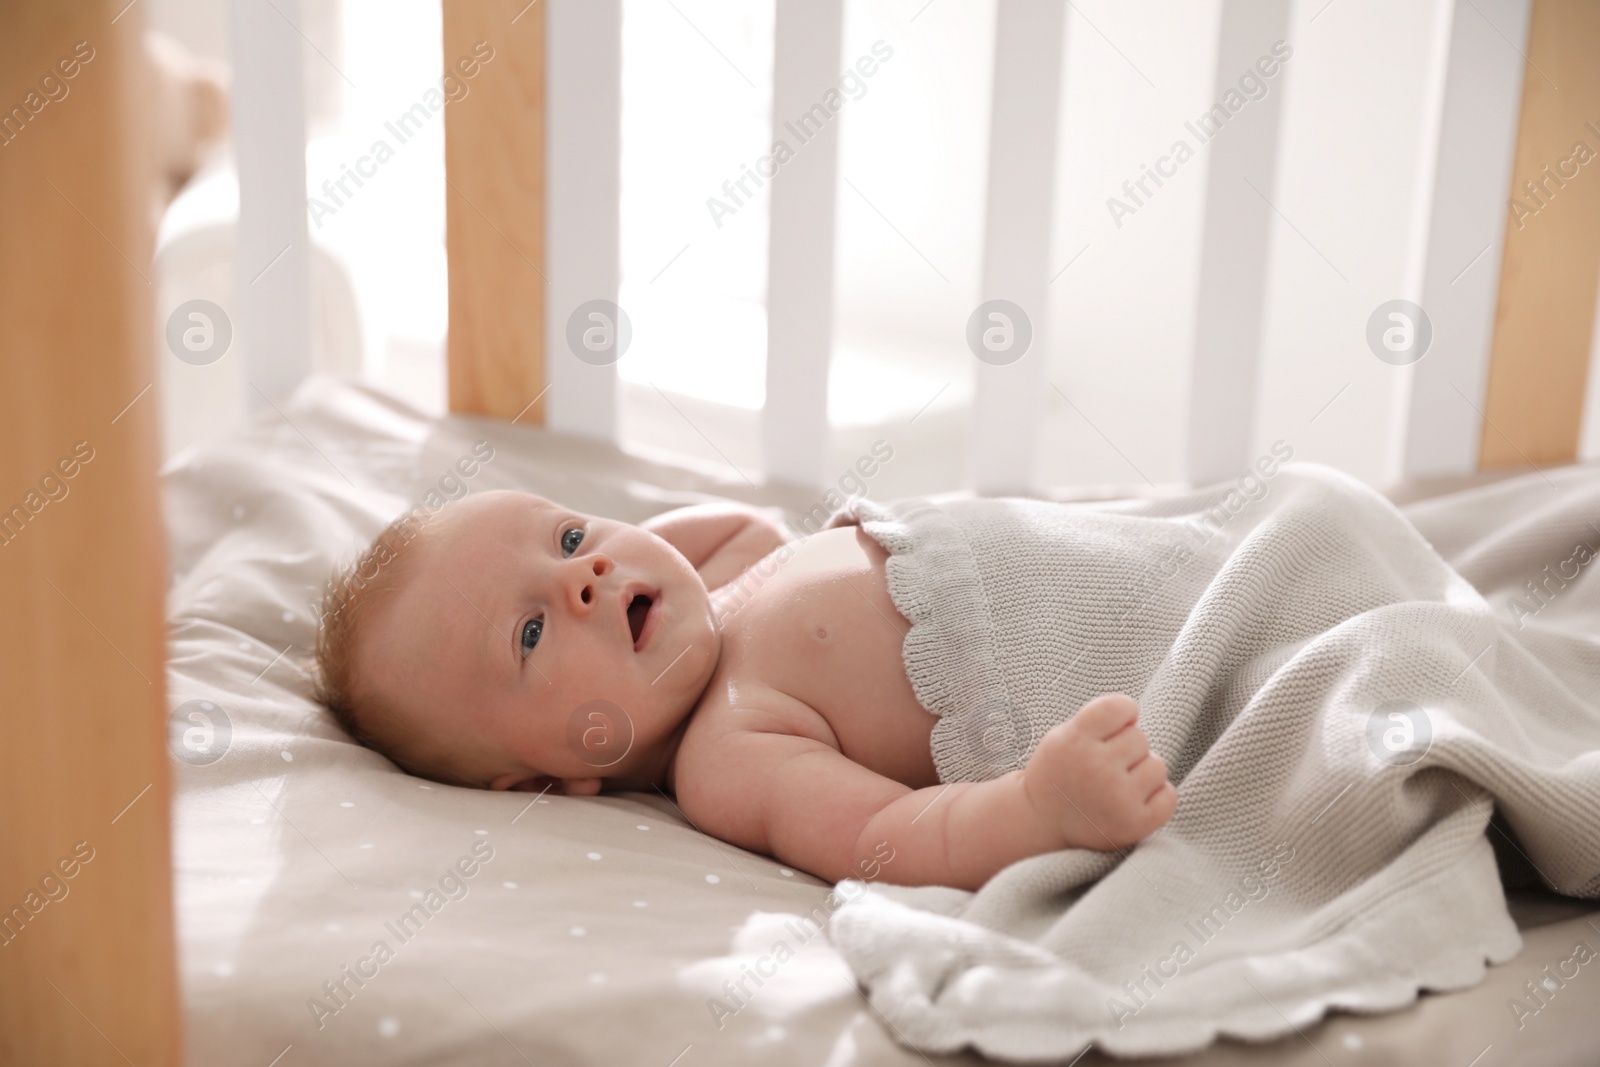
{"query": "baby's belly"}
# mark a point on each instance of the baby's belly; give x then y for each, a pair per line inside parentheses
(820, 627)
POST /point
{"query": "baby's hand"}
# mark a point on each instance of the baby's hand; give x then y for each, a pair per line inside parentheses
(1095, 781)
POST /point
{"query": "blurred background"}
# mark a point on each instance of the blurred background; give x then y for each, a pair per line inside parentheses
(1359, 101)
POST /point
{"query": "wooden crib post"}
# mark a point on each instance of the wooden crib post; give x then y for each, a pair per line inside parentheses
(87, 971)
(533, 172)
(494, 146)
(1551, 270)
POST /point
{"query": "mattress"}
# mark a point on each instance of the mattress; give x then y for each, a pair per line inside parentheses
(332, 909)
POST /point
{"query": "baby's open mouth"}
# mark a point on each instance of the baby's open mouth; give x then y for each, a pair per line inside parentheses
(638, 613)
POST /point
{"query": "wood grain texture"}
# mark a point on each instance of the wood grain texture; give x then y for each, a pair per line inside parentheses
(87, 971)
(1551, 269)
(495, 196)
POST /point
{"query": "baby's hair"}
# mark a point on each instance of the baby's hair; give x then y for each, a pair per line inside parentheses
(346, 603)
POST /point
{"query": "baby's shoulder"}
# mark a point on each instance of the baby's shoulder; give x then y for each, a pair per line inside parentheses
(733, 738)
(734, 706)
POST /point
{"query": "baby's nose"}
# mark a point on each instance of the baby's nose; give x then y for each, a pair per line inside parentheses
(585, 587)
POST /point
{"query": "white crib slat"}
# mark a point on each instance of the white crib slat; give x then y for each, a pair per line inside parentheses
(582, 215)
(1462, 235)
(1007, 405)
(272, 263)
(808, 37)
(1236, 237)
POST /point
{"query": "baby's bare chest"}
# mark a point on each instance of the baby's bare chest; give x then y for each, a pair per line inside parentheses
(816, 627)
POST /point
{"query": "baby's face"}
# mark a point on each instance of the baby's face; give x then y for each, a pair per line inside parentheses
(517, 613)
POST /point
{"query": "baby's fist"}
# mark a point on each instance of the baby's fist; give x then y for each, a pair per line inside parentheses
(1094, 779)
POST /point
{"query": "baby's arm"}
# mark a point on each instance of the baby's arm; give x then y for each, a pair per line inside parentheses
(719, 540)
(806, 803)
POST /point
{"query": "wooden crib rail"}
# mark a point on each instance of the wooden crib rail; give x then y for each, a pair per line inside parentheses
(87, 973)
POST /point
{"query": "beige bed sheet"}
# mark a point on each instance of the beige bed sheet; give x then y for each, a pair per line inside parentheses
(601, 930)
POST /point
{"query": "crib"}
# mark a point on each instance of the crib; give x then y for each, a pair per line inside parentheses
(1500, 280)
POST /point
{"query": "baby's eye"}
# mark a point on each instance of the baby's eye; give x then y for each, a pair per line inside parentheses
(530, 634)
(570, 541)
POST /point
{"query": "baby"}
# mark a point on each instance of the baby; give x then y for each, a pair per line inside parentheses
(510, 643)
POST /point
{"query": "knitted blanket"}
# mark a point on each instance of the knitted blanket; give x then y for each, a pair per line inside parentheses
(1341, 708)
